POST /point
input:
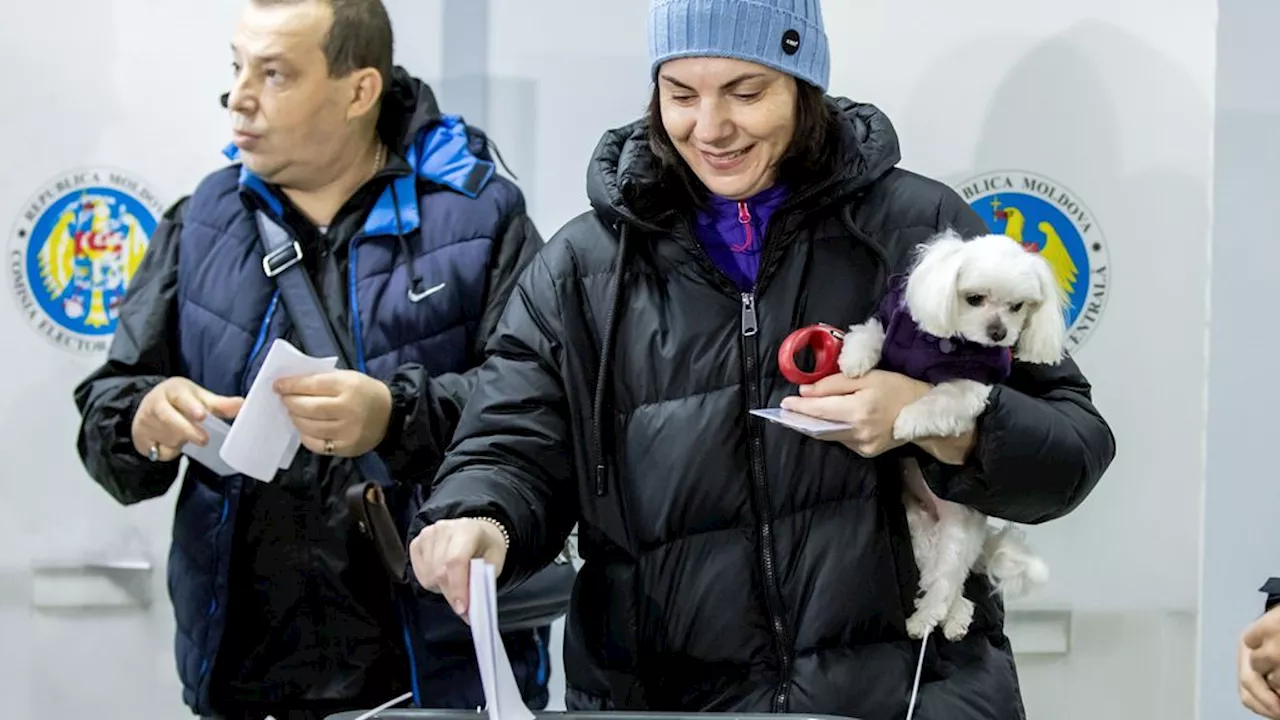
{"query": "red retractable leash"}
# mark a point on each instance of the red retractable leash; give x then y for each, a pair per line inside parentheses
(823, 340)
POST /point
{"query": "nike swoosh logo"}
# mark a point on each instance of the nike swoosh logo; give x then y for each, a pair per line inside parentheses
(417, 297)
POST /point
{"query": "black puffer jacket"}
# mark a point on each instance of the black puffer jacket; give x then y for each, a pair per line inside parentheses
(731, 564)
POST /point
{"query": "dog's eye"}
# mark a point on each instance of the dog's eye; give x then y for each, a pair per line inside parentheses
(973, 299)
(1016, 307)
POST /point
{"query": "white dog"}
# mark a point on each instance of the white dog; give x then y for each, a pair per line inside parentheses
(957, 320)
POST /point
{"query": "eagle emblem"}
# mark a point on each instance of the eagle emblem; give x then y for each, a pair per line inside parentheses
(88, 258)
(1045, 241)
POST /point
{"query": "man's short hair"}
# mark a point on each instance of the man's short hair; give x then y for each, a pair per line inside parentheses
(360, 36)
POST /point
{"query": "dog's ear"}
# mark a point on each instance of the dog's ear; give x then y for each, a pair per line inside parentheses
(934, 283)
(1042, 339)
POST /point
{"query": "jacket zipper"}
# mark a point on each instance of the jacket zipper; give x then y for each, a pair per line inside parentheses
(744, 217)
(750, 328)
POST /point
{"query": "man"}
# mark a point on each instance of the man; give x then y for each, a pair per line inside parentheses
(282, 606)
(1259, 658)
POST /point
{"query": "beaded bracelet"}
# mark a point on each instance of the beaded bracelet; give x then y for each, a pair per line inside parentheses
(506, 538)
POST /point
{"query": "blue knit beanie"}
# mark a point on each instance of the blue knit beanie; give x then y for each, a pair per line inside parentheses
(786, 35)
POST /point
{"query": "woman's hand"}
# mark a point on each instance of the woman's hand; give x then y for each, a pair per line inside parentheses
(869, 403)
(949, 450)
(441, 556)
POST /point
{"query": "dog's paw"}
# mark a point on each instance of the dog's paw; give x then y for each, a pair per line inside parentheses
(854, 364)
(922, 418)
(861, 349)
(929, 614)
(958, 619)
(918, 625)
(913, 422)
(950, 409)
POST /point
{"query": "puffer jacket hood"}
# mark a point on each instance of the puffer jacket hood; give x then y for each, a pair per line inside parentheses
(623, 169)
(408, 107)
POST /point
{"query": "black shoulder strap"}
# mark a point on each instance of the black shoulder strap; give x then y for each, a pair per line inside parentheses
(282, 257)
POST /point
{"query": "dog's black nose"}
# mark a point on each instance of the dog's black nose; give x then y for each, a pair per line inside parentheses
(996, 332)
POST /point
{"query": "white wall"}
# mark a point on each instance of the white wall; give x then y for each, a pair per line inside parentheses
(555, 91)
(122, 99)
(1241, 493)
(419, 29)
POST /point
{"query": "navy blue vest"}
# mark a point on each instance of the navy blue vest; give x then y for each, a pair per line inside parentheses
(229, 312)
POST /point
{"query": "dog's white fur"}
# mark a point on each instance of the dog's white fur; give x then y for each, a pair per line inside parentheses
(991, 291)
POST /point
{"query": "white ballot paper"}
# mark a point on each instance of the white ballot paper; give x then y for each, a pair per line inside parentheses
(209, 455)
(262, 441)
(501, 693)
(811, 426)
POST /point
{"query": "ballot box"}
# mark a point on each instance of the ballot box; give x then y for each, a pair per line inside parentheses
(558, 715)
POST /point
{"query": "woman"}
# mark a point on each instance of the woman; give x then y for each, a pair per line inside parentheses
(731, 564)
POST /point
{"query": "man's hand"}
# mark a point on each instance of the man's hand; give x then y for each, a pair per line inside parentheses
(441, 556)
(870, 404)
(337, 413)
(1259, 660)
(170, 415)
(1260, 665)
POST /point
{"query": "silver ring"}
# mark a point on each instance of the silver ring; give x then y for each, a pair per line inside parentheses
(153, 454)
(328, 447)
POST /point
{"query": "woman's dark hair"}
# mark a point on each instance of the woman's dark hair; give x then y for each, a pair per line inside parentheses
(809, 154)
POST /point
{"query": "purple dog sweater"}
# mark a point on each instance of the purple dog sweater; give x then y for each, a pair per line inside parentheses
(910, 351)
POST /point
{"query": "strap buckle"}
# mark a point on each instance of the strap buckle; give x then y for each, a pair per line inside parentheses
(281, 259)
